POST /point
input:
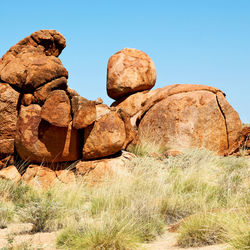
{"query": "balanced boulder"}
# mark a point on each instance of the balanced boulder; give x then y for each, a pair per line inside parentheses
(129, 71)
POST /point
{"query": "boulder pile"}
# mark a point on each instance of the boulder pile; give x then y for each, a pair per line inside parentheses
(43, 121)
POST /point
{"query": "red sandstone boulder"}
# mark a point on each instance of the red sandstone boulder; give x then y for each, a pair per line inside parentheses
(186, 116)
(10, 173)
(38, 141)
(84, 112)
(57, 109)
(33, 61)
(129, 71)
(8, 117)
(105, 137)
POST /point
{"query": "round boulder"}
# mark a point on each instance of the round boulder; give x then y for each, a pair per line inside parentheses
(129, 71)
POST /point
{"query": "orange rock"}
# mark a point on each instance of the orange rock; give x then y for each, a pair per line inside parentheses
(57, 110)
(130, 132)
(10, 173)
(38, 141)
(232, 120)
(186, 120)
(84, 112)
(39, 176)
(97, 170)
(101, 110)
(105, 137)
(129, 71)
(8, 117)
(28, 99)
(33, 61)
(42, 93)
(66, 176)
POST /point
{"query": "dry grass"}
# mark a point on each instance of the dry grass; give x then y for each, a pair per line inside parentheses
(125, 211)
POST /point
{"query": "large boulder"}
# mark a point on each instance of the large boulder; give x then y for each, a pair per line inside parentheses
(105, 137)
(129, 71)
(8, 117)
(184, 116)
(33, 61)
(38, 141)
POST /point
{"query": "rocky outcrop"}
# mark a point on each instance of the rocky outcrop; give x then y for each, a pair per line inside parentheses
(129, 71)
(45, 122)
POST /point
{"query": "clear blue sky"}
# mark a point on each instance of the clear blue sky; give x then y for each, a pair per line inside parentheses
(190, 41)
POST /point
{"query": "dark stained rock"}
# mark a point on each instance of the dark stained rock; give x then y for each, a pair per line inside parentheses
(38, 141)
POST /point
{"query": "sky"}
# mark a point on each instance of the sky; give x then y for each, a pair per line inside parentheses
(190, 41)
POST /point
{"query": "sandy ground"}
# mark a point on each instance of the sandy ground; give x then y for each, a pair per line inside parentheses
(168, 241)
(18, 234)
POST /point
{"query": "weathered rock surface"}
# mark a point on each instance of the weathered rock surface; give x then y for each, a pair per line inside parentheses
(105, 137)
(10, 173)
(129, 71)
(84, 112)
(8, 117)
(66, 176)
(186, 120)
(33, 61)
(57, 109)
(42, 93)
(39, 176)
(38, 141)
(101, 110)
(94, 171)
(232, 120)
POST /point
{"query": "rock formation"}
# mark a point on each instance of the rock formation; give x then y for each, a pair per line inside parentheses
(46, 123)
